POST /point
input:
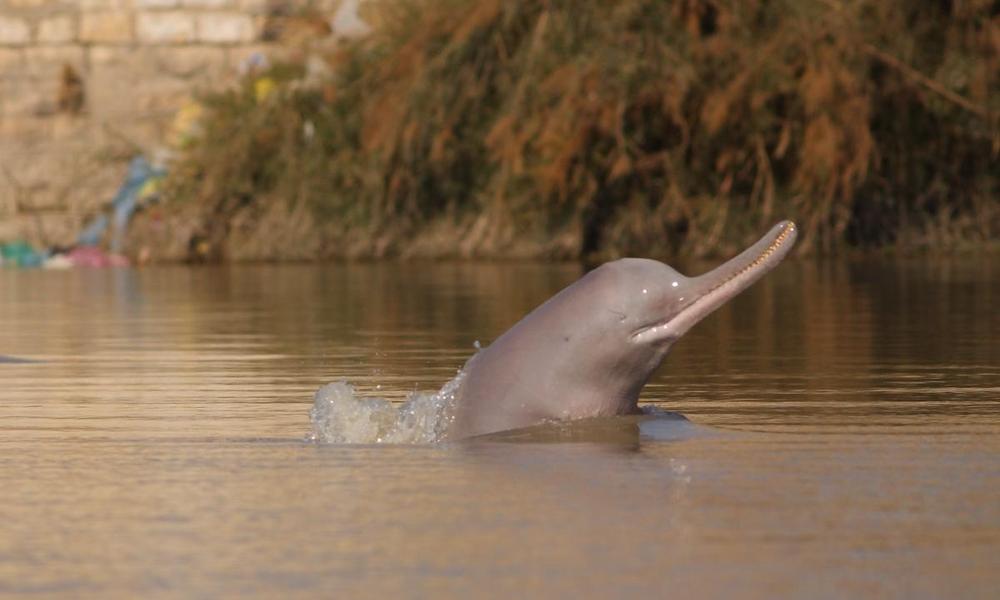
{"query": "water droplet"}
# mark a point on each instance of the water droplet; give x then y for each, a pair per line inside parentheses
(674, 284)
(645, 291)
(477, 345)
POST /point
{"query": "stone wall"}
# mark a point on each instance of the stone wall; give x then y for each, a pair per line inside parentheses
(87, 84)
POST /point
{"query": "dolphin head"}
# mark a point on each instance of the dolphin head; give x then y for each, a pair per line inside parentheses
(669, 303)
(647, 306)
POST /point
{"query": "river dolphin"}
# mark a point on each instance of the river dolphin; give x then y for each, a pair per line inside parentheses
(589, 350)
(15, 360)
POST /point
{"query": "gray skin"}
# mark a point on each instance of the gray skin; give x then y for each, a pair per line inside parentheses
(589, 350)
(14, 360)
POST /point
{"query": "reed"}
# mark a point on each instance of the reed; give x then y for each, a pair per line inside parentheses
(586, 128)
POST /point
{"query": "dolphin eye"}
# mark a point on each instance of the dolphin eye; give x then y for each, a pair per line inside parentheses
(621, 316)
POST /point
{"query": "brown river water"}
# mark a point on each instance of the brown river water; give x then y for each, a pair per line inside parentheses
(844, 440)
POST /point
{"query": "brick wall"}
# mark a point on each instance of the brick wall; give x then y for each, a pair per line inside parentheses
(86, 84)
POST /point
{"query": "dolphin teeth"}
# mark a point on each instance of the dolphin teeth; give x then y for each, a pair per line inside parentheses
(777, 243)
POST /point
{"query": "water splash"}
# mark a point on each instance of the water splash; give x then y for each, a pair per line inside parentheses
(340, 416)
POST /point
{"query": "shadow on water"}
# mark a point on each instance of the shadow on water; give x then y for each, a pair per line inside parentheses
(625, 433)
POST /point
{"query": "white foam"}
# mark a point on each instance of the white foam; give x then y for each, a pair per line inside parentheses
(340, 416)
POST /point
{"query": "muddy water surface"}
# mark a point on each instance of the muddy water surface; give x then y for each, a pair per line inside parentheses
(844, 440)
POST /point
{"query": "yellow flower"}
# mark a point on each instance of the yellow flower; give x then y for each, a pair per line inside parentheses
(262, 88)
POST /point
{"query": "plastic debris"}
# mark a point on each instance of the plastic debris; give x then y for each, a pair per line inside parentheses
(140, 185)
(58, 262)
(21, 254)
(90, 256)
(93, 231)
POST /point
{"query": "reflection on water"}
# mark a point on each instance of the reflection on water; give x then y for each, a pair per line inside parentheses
(844, 434)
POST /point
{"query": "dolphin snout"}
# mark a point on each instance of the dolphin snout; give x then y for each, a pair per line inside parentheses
(711, 290)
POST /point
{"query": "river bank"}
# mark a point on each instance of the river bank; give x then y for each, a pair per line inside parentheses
(576, 130)
(562, 130)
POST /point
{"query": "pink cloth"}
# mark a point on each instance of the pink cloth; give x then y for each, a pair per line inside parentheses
(89, 256)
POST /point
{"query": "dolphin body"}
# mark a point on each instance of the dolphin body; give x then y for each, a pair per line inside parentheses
(589, 350)
(15, 360)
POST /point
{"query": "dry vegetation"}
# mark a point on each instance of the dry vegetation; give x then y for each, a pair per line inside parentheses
(566, 128)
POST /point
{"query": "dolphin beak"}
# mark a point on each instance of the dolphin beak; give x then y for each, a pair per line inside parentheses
(713, 289)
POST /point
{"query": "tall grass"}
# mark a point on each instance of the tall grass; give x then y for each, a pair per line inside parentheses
(561, 128)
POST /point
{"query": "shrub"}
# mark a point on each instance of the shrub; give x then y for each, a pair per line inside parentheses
(563, 129)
